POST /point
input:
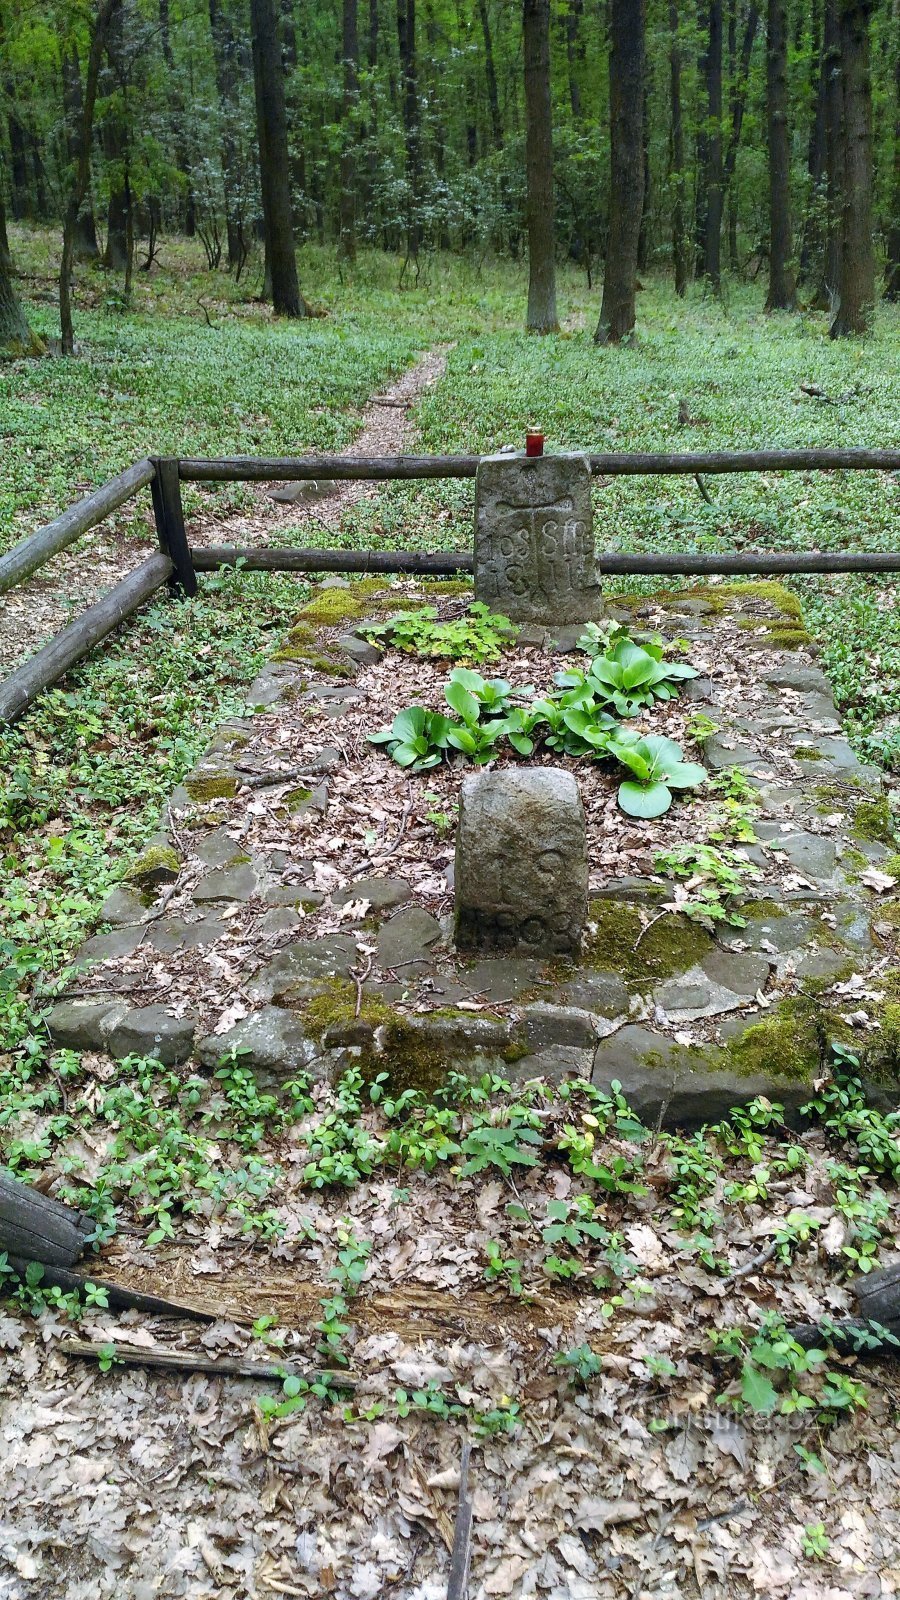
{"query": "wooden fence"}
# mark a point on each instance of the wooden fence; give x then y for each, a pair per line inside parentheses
(177, 563)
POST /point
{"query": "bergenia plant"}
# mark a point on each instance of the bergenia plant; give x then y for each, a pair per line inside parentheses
(657, 766)
(416, 739)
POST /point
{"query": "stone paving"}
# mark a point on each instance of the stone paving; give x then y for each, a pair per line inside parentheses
(203, 947)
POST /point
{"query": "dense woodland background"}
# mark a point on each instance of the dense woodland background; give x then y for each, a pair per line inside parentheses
(694, 139)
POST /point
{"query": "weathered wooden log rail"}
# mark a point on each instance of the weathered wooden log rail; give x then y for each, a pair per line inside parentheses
(178, 563)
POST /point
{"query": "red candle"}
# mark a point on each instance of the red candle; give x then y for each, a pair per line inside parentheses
(534, 442)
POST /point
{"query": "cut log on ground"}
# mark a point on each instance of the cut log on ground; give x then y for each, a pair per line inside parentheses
(39, 1228)
(118, 1297)
(873, 1330)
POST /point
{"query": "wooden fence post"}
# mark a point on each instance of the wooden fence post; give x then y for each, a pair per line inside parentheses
(166, 491)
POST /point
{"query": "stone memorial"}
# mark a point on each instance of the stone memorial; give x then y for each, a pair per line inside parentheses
(521, 863)
(534, 541)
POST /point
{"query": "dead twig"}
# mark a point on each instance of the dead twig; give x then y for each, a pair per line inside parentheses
(198, 1361)
(458, 1582)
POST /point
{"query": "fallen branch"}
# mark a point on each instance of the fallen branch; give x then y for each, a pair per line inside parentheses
(118, 1297)
(198, 1361)
(458, 1582)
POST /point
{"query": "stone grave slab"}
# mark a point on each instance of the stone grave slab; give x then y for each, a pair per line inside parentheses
(534, 541)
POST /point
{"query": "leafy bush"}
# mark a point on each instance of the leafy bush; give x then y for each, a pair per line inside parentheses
(478, 636)
(631, 676)
(416, 738)
(658, 767)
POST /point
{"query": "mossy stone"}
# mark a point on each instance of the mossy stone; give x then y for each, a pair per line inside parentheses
(872, 821)
(329, 607)
(211, 786)
(159, 863)
(643, 953)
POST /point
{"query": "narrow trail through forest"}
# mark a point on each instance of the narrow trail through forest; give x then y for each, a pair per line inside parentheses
(34, 611)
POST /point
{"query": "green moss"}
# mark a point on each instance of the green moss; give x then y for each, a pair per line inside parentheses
(807, 752)
(892, 866)
(774, 635)
(873, 820)
(411, 1059)
(763, 910)
(295, 798)
(619, 943)
(157, 864)
(313, 659)
(329, 607)
(789, 1043)
(447, 588)
(211, 786)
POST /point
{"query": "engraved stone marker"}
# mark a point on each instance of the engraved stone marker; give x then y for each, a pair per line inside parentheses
(534, 541)
(521, 863)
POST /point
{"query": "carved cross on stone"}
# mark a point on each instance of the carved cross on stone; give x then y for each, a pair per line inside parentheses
(534, 540)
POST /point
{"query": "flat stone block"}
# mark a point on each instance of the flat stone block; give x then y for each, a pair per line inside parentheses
(272, 1043)
(383, 894)
(521, 863)
(555, 1064)
(534, 544)
(152, 1031)
(673, 1086)
(567, 1025)
(84, 1024)
(407, 938)
(113, 946)
(228, 883)
(122, 907)
(605, 994)
(296, 969)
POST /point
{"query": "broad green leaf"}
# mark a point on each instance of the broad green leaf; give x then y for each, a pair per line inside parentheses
(462, 702)
(644, 800)
(685, 775)
(757, 1390)
(409, 724)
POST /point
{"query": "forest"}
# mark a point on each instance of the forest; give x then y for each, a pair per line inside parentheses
(728, 140)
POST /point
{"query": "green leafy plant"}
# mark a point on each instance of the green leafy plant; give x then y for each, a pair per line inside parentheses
(631, 676)
(478, 636)
(657, 766)
(416, 738)
(503, 1147)
(814, 1541)
(580, 1364)
(713, 876)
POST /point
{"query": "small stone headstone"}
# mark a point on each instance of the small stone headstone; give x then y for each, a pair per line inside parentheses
(534, 541)
(521, 863)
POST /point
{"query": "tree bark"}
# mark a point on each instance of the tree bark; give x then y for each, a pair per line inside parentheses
(892, 269)
(857, 276)
(274, 162)
(712, 240)
(349, 129)
(490, 76)
(676, 156)
(626, 120)
(738, 105)
(409, 68)
(106, 13)
(16, 338)
(574, 53)
(86, 247)
(541, 316)
(226, 69)
(782, 294)
(813, 233)
(826, 294)
(645, 241)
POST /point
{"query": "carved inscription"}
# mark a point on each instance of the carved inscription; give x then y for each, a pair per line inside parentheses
(521, 863)
(534, 543)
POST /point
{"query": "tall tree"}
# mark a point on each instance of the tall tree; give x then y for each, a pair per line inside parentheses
(409, 67)
(782, 283)
(676, 156)
(857, 274)
(86, 247)
(226, 66)
(541, 316)
(349, 129)
(626, 121)
(713, 177)
(101, 22)
(274, 161)
(892, 271)
(490, 76)
(16, 338)
(826, 293)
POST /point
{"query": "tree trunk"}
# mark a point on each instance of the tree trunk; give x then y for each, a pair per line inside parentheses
(409, 67)
(490, 75)
(857, 279)
(274, 164)
(645, 240)
(892, 269)
(712, 241)
(541, 316)
(574, 53)
(20, 191)
(226, 69)
(106, 13)
(782, 284)
(5, 252)
(813, 233)
(16, 338)
(86, 247)
(676, 156)
(349, 130)
(826, 294)
(626, 103)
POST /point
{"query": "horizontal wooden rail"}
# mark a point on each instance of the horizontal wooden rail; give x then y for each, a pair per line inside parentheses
(612, 464)
(210, 558)
(31, 553)
(71, 643)
(610, 562)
